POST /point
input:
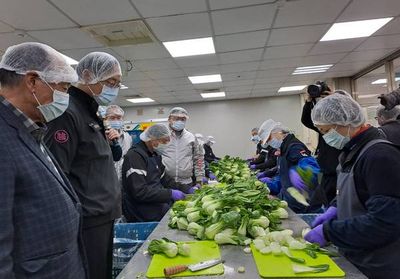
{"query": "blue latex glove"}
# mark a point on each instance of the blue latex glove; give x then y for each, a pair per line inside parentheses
(178, 195)
(266, 180)
(260, 175)
(204, 180)
(212, 176)
(193, 189)
(316, 235)
(297, 181)
(253, 167)
(331, 213)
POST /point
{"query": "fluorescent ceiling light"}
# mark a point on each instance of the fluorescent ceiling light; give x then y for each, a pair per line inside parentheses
(311, 69)
(190, 47)
(354, 29)
(383, 81)
(140, 100)
(205, 79)
(70, 60)
(123, 87)
(367, 96)
(291, 88)
(212, 95)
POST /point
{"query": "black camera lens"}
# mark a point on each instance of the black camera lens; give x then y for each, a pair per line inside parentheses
(314, 90)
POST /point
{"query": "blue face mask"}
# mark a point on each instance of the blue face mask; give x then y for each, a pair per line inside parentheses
(56, 108)
(336, 140)
(275, 143)
(264, 145)
(107, 95)
(161, 148)
(116, 124)
(178, 125)
(255, 139)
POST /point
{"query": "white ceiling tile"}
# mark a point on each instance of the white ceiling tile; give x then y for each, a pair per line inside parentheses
(199, 60)
(233, 83)
(370, 9)
(186, 93)
(148, 83)
(5, 28)
(238, 88)
(142, 51)
(239, 93)
(223, 4)
(281, 63)
(240, 41)
(265, 79)
(166, 74)
(322, 59)
(302, 79)
(335, 46)
(155, 64)
(239, 67)
(167, 100)
(65, 38)
(378, 42)
(101, 11)
(287, 51)
(391, 28)
(156, 8)
(208, 86)
(243, 19)
(135, 76)
(201, 70)
(181, 27)
(33, 15)
(308, 12)
(174, 81)
(9, 39)
(241, 56)
(337, 74)
(367, 55)
(263, 93)
(279, 72)
(78, 54)
(239, 76)
(177, 87)
(297, 35)
(267, 86)
(127, 93)
(352, 66)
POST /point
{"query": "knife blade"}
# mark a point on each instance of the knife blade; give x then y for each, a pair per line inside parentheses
(192, 267)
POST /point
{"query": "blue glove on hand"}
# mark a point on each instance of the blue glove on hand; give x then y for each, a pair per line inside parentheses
(178, 195)
(204, 180)
(193, 189)
(297, 181)
(331, 213)
(260, 175)
(316, 235)
(266, 180)
(253, 167)
(212, 176)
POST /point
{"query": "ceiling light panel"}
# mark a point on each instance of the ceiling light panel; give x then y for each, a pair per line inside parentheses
(311, 69)
(213, 95)
(205, 79)
(190, 47)
(140, 100)
(292, 88)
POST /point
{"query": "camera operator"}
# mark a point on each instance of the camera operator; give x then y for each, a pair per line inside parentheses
(389, 101)
(327, 156)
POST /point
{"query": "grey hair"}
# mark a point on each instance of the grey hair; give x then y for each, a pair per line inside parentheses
(388, 114)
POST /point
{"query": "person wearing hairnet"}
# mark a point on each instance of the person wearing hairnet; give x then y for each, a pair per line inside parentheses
(114, 118)
(365, 224)
(183, 159)
(40, 211)
(293, 155)
(148, 191)
(209, 155)
(389, 124)
(258, 161)
(78, 141)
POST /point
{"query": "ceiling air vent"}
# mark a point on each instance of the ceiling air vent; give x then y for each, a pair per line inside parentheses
(124, 33)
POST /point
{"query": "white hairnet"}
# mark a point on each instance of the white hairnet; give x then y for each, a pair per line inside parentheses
(338, 109)
(101, 66)
(39, 58)
(157, 131)
(211, 139)
(102, 111)
(114, 110)
(266, 128)
(179, 112)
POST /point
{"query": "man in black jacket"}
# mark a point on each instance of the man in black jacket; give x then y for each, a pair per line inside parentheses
(390, 126)
(148, 191)
(209, 155)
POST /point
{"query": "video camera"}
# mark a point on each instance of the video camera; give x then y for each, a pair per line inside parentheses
(317, 89)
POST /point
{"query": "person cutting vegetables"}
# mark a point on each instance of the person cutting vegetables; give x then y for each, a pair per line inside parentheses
(365, 223)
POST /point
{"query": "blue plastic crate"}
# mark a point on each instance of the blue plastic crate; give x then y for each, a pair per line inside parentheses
(308, 218)
(128, 237)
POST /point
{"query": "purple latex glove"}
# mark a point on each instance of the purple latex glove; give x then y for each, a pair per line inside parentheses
(178, 195)
(331, 213)
(316, 235)
(204, 180)
(194, 188)
(212, 176)
(297, 181)
(266, 180)
(260, 175)
(253, 167)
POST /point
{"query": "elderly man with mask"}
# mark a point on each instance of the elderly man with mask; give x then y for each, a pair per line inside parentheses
(78, 141)
(365, 224)
(183, 158)
(40, 212)
(148, 191)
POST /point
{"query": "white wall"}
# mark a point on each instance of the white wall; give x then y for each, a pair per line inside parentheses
(230, 121)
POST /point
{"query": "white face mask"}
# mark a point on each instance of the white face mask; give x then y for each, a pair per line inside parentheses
(336, 140)
(178, 125)
(161, 147)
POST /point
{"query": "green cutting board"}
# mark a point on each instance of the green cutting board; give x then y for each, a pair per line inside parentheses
(199, 251)
(270, 266)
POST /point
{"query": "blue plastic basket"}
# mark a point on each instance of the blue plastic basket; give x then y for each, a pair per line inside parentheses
(128, 237)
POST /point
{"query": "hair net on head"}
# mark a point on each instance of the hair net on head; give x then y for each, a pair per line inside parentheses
(211, 139)
(179, 112)
(101, 66)
(102, 111)
(48, 63)
(266, 128)
(157, 131)
(338, 109)
(199, 137)
(254, 130)
(114, 110)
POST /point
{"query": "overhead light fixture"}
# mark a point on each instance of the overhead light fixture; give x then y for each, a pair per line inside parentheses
(311, 69)
(354, 29)
(140, 100)
(291, 88)
(70, 60)
(190, 47)
(205, 79)
(213, 95)
(367, 96)
(383, 80)
(123, 87)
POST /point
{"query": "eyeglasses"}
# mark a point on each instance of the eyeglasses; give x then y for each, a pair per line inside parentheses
(112, 82)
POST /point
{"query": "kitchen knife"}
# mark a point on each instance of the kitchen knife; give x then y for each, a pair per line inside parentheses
(192, 267)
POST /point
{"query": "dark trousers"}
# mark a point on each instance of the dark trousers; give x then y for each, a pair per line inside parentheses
(98, 242)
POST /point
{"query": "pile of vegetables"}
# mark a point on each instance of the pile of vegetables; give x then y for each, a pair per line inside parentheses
(169, 248)
(229, 170)
(229, 214)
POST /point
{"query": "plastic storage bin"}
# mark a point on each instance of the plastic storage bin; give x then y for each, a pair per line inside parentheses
(128, 237)
(308, 218)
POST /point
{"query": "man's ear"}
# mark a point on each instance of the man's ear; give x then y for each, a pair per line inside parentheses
(30, 80)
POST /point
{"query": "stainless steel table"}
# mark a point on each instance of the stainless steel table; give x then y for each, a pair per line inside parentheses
(233, 255)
